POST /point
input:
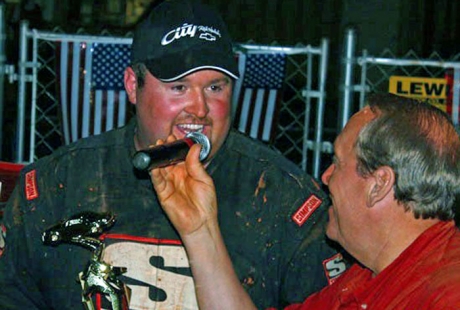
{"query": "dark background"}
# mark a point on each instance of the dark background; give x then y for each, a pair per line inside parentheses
(399, 25)
(423, 26)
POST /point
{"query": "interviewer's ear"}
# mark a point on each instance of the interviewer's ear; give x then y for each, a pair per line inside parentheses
(130, 81)
(383, 181)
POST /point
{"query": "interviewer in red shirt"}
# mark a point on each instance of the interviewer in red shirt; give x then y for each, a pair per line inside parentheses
(394, 183)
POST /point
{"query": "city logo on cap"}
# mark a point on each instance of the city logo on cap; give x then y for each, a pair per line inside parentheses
(190, 30)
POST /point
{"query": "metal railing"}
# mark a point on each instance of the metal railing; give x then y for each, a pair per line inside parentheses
(39, 103)
(367, 73)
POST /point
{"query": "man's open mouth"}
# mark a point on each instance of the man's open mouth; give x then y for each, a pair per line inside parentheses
(191, 127)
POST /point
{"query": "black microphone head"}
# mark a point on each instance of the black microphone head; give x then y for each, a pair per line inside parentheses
(141, 161)
(170, 153)
(201, 139)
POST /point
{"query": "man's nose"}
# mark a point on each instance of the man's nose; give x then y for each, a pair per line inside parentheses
(198, 105)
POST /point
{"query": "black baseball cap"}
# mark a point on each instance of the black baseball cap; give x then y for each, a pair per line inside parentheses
(179, 37)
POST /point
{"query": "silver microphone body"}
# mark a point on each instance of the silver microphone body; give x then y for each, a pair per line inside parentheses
(171, 153)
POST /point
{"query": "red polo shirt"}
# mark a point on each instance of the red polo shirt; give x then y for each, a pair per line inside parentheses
(425, 276)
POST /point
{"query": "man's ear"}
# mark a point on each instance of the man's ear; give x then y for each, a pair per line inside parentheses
(383, 181)
(130, 81)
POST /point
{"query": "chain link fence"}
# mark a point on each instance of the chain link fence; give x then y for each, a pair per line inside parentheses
(298, 127)
(366, 73)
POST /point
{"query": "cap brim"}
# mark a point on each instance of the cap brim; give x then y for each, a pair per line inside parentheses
(175, 66)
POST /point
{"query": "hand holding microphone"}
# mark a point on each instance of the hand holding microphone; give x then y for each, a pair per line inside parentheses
(185, 192)
(171, 153)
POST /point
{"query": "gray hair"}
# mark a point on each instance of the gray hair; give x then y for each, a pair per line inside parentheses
(421, 145)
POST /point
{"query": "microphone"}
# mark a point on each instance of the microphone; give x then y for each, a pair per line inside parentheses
(171, 153)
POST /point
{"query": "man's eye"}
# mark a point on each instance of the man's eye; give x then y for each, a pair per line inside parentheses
(178, 87)
(215, 87)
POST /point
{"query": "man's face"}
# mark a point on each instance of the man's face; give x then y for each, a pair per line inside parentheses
(349, 215)
(199, 102)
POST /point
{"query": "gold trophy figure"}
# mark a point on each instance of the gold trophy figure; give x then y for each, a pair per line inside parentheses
(83, 229)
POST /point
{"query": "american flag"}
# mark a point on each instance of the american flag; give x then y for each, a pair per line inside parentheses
(256, 93)
(93, 99)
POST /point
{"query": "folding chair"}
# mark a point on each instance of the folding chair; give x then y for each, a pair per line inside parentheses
(257, 91)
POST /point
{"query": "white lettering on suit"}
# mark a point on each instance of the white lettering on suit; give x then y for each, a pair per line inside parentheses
(179, 289)
(336, 267)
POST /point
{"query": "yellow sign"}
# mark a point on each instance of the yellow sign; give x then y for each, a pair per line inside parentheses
(432, 90)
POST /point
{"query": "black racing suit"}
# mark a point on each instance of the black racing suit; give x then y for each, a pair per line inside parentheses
(278, 259)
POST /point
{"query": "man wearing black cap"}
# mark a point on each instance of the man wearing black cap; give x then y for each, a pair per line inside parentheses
(271, 214)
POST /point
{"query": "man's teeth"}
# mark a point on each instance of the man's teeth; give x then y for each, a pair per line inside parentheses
(192, 127)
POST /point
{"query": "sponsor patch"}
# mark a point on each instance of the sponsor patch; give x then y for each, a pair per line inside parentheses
(334, 267)
(307, 209)
(31, 185)
(158, 267)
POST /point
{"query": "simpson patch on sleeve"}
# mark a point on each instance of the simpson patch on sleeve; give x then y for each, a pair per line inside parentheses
(31, 185)
(306, 210)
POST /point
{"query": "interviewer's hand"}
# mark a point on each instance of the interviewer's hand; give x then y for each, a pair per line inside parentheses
(187, 195)
(186, 192)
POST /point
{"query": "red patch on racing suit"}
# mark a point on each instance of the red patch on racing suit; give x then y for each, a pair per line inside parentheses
(306, 210)
(31, 185)
(334, 267)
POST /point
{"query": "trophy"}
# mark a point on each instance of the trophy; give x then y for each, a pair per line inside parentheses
(83, 229)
